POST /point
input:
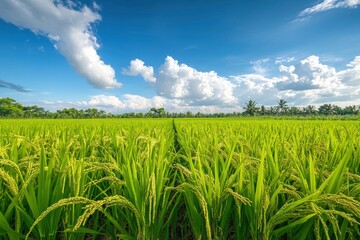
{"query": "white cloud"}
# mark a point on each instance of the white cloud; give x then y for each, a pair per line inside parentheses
(291, 81)
(260, 66)
(103, 101)
(255, 82)
(329, 4)
(136, 102)
(351, 76)
(137, 67)
(69, 29)
(320, 75)
(305, 82)
(255, 87)
(281, 60)
(309, 74)
(181, 82)
(96, 6)
(127, 103)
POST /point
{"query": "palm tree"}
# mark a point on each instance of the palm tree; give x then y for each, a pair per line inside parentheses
(263, 110)
(337, 110)
(272, 110)
(310, 110)
(251, 108)
(351, 110)
(327, 109)
(282, 106)
(293, 111)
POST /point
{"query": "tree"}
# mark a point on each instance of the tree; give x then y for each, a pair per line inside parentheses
(282, 106)
(189, 114)
(337, 110)
(294, 111)
(310, 110)
(10, 108)
(33, 111)
(351, 110)
(199, 115)
(157, 112)
(161, 112)
(92, 113)
(327, 109)
(69, 113)
(272, 110)
(263, 110)
(251, 108)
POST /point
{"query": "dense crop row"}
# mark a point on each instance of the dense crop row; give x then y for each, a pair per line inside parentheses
(191, 179)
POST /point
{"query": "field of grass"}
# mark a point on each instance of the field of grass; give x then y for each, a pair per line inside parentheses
(182, 179)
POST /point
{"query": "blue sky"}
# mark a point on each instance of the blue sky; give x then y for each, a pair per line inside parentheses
(188, 55)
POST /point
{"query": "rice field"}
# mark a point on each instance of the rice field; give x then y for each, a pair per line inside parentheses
(183, 179)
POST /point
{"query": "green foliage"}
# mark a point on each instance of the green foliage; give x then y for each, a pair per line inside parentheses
(9, 107)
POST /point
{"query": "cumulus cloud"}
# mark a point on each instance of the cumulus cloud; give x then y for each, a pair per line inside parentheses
(68, 26)
(329, 4)
(179, 81)
(180, 87)
(307, 82)
(137, 67)
(255, 87)
(254, 82)
(291, 81)
(309, 74)
(12, 86)
(103, 101)
(351, 76)
(182, 82)
(136, 102)
(320, 75)
(127, 103)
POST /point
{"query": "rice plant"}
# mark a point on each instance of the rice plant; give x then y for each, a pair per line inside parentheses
(181, 179)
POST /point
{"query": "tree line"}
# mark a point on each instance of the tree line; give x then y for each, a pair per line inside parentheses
(283, 108)
(9, 108)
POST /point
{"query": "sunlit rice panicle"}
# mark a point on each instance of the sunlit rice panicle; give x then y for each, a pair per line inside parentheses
(10, 181)
(238, 197)
(61, 203)
(11, 164)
